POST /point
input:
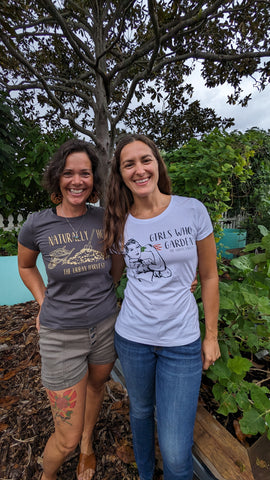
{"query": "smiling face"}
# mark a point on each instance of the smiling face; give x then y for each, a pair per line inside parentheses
(76, 180)
(139, 169)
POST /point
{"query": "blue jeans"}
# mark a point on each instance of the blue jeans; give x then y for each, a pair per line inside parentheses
(167, 378)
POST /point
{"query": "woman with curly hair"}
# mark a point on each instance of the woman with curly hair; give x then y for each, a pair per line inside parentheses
(77, 307)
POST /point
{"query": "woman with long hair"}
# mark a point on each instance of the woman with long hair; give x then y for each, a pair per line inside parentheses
(162, 239)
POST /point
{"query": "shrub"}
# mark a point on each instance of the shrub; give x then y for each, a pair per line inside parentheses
(244, 331)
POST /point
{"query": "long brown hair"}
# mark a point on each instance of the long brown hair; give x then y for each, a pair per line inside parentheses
(119, 198)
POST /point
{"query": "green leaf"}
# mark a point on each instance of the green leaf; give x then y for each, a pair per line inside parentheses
(267, 420)
(264, 305)
(224, 351)
(250, 298)
(252, 422)
(243, 263)
(252, 246)
(263, 230)
(239, 365)
(260, 399)
(226, 303)
(258, 258)
(242, 400)
(221, 370)
(228, 404)
(218, 390)
(253, 341)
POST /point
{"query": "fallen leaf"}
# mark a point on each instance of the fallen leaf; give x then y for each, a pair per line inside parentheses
(126, 454)
(3, 427)
(7, 401)
(239, 434)
(262, 463)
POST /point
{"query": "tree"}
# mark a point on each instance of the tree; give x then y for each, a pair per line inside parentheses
(87, 61)
(10, 132)
(170, 129)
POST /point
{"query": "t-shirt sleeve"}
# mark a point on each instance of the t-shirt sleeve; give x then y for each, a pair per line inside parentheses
(26, 235)
(204, 223)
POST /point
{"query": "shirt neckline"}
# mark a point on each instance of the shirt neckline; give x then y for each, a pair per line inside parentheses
(153, 219)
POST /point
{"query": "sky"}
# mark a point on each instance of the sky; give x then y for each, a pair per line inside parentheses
(256, 114)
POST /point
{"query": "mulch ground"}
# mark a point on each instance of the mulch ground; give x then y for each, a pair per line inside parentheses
(26, 419)
(25, 415)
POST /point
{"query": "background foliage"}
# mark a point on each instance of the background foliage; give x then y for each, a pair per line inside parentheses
(95, 64)
(206, 169)
(227, 172)
(244, 332)
(253, 195)
(24, 151)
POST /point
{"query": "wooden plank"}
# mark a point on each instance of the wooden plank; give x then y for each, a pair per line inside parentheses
(216, 448)
(259, 455)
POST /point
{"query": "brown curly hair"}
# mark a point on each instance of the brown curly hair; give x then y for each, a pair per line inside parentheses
(52, 174)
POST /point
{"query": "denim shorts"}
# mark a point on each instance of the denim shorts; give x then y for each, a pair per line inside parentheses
(66, 354)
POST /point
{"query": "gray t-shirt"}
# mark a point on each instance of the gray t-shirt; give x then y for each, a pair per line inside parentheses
(80, 290)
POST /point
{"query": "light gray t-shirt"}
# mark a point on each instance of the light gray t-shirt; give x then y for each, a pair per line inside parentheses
(161, 258)
(80, 290)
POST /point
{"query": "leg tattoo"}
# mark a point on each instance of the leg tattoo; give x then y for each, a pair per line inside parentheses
(63, 404)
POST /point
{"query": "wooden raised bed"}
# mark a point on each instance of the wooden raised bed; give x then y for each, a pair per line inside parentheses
(224, 455)
(218, 450)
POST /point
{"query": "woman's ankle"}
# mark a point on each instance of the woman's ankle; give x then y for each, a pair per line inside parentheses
(86, 445)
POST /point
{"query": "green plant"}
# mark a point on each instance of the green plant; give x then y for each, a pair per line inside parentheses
(120, 289)
(244, 332)
(25, 149)
(206, 168)
(8, 242)
(252, 196)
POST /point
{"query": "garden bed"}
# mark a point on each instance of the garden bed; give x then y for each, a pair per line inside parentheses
(26, 420)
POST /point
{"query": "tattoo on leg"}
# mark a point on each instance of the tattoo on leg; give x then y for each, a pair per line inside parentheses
(63, 404)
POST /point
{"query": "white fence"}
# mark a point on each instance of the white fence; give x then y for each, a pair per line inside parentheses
(232, 222)
(12, 222)
(226, 222)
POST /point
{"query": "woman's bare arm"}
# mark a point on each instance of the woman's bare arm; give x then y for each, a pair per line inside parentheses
(210, 297)
(118, 266)
(29, 272)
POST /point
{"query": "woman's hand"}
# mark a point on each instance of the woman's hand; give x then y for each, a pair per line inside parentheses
(210, 352)
(194, 285)
(38, 322)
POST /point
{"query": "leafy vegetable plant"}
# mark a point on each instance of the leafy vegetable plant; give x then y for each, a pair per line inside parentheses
(244, 333)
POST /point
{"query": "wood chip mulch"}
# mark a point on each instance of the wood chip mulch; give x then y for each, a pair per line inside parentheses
(26, 420)
(25, 415)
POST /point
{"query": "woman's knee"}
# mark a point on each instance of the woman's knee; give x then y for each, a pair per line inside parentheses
(177, 461)
(96, 388)
(66, 444)
(98, 375)
(141, 410)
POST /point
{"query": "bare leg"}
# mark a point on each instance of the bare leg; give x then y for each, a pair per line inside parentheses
(98, 374)
(68, 413)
